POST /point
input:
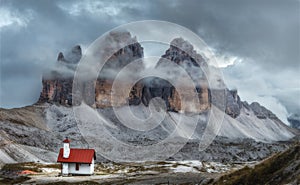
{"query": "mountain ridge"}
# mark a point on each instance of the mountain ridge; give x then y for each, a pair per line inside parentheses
(58, 89)
(40, 128)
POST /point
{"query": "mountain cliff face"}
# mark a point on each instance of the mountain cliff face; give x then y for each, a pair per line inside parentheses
(182, 54)
(57, 85)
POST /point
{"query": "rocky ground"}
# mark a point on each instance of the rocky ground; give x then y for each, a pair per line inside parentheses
(35, 133)
(281, 168)
(179, 172)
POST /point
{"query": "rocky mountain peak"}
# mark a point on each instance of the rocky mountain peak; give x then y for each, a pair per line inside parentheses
(294, 120)
(123, 36)
(60, 57)
(119, 39)
(129, 50)
(58, 88)
(260, 111)
(73, 56)
(182, 52)
(76, 50)
(182, 44)
(233, 103)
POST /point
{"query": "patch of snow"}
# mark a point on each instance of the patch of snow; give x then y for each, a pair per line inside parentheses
(50, 170)
(184, 169)
(210, 170)
(192, 163)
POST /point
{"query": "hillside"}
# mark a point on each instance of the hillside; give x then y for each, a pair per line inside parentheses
(241, 139)
(282, 168)
(28, 116)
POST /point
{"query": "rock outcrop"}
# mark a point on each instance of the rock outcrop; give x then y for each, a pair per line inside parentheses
(58, 84)
(233, 103)
(184, 56)
(57, 91)
(72, 56)
(103, 87)
(260, 111)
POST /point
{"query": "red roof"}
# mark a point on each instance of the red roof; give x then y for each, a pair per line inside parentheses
(77, 156)
(66, 140)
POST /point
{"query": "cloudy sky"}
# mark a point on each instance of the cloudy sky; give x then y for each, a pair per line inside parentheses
(257, 41)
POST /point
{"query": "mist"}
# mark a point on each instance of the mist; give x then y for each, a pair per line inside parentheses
(256, 42)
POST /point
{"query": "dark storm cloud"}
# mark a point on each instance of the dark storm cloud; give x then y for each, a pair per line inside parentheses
(265, 35)
(26, 51)
(267, 30)
(263, 32)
